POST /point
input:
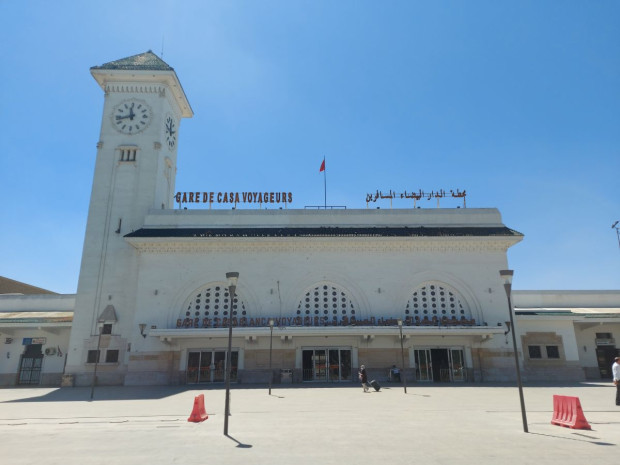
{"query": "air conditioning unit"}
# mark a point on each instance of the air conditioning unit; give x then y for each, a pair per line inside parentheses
(605, 342)
(50, 351)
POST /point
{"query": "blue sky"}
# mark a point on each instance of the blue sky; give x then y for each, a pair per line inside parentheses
(515, 102)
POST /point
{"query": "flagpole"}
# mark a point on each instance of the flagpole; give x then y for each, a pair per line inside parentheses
(325, 183)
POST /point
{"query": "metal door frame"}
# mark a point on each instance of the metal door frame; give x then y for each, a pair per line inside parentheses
(321, 357)
(455, 375)
(429, 365)
(215, 373)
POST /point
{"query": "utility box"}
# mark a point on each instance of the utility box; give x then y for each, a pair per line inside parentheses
(67, 381)
(286, 376)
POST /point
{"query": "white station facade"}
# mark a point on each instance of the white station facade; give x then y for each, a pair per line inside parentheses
(320, 291)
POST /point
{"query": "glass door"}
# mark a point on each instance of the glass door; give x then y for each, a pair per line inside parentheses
(209, 366)
(423, 364)
(326, 364)
(320, 365)
(339, 365)
(204, 375)
(193, 367)
(345, 364)
(457, 365)
(219, 366)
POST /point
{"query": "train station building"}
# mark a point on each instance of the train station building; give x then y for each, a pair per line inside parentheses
(319, 292)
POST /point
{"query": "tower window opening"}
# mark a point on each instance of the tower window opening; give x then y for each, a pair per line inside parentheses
(128, 153)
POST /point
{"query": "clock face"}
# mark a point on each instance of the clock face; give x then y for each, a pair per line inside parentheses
(131, 116)
(170, 130)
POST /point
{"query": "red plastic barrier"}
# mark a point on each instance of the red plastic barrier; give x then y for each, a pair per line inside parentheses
(198, 412)
(567, 412)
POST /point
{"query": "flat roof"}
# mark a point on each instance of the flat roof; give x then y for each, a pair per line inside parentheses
(326, 231)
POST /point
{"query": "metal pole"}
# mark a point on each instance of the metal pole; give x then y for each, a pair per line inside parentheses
(270, 348)
(92, 386)
(402, 355)
(231, 293)
(507, 287)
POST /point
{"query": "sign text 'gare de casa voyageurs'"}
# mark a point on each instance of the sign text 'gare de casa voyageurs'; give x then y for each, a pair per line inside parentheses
(234, 197)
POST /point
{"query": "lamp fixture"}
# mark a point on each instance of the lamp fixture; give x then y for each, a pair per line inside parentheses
(142, 327)
(232, 278)
(506, 275)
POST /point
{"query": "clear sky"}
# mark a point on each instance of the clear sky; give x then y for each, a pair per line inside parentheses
(518, 103)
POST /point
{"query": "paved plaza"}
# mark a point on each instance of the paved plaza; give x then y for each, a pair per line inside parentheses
(306, 424)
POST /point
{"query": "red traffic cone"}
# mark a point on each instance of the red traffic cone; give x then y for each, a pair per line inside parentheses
(198, 412)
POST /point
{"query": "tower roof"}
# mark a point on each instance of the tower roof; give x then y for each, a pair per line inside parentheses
(144, 68)
(147, 61)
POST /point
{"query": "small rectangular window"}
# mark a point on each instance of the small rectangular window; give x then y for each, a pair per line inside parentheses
(553, 352)
(534, 351)
(603, 336)
(128, 154)
(111, 356)
(93, 356)
(106, 328)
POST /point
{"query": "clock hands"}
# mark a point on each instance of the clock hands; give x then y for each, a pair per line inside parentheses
(169, 128)
(131, 114)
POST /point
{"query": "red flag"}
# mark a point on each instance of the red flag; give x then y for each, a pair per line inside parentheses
(322, 166)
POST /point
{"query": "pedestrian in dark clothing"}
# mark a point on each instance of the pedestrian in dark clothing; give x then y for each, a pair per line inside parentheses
(363, 378)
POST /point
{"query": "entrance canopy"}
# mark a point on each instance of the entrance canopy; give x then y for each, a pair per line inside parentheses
(482, 332)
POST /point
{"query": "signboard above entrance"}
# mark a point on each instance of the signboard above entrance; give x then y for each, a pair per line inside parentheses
(233, 197)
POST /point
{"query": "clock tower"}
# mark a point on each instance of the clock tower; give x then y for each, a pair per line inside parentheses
(134, 174)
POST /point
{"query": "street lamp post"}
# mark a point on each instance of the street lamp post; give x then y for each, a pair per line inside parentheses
(507, 277)
(402, 355)
(617, 228)
(232, 278)
(270, 349)
(92, 386)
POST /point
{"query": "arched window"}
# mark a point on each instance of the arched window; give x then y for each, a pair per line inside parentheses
(326, 300)
(211, 301)
(436, 300)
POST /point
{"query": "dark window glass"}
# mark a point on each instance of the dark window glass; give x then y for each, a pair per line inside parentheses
(534, 351)
(111, 356)
(93, 356)
(107, 328)
(553, 352)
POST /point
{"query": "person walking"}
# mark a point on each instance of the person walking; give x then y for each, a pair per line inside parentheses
(615, 369)
(363, 377)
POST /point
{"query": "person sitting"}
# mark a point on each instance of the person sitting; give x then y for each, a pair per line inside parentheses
(394, 374)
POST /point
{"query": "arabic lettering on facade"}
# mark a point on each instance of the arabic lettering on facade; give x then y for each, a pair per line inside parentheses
(420, 194)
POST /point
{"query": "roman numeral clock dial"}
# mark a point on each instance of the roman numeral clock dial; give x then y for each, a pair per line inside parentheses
(131, 116)
(170, 130)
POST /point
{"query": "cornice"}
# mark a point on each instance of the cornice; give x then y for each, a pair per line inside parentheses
(135, 89)
(289, 245)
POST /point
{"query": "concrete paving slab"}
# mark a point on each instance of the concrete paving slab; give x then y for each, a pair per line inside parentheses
(309, 424)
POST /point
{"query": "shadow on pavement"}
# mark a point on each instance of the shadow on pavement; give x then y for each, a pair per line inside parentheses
(239, 444)
(102, 393)
(598, 443)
